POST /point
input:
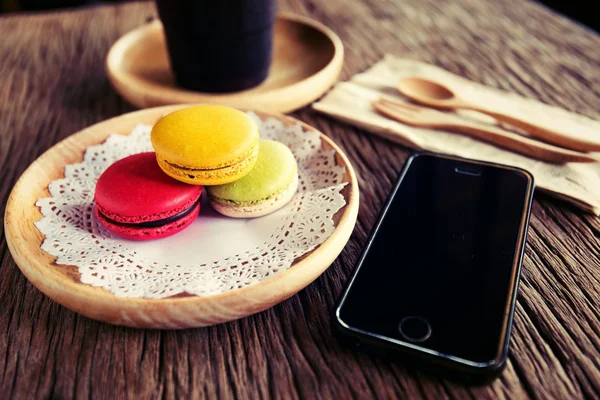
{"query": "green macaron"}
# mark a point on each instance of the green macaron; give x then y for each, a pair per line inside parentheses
(270, 185)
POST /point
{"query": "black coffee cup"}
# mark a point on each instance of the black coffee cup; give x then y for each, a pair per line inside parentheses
(220, 45)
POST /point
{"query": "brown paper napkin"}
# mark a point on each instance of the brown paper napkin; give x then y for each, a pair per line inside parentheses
(351, 102)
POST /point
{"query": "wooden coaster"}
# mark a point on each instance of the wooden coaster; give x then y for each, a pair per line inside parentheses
(307, 60)
(61, 283)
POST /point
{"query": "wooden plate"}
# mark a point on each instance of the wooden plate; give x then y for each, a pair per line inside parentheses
(307, 60)
(61, 283)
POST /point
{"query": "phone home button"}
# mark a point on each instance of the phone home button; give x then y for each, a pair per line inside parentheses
(414, 329)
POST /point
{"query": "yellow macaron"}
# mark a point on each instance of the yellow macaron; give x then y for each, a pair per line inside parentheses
(206, 145)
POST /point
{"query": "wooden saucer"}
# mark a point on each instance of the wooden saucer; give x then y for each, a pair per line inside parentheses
(307, 60)
(61, 283)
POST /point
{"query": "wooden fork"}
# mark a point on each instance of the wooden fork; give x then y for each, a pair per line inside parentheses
(424, 117)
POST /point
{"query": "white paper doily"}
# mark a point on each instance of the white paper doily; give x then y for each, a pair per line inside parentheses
(215, 254)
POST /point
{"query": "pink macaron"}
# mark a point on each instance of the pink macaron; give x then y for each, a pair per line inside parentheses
(136, 200)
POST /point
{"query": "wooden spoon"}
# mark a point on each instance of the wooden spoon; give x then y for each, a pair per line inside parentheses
(430, 118)
(435, 94)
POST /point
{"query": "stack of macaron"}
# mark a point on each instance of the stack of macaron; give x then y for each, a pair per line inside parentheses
(157, 194)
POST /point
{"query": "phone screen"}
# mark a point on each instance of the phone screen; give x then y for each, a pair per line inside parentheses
(441, 269)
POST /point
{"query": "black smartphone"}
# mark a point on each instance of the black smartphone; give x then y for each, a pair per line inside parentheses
(437, 281)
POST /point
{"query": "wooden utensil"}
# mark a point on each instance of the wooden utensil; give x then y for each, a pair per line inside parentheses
(435, 94)
(429, 118)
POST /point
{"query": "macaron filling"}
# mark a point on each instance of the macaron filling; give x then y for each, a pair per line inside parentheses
(251, 209)
(220, 171)
(156, 223)
(251, 202)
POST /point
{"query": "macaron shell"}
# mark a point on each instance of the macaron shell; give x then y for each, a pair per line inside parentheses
(274, 171)
(142, 233)
(258, 209)
(205, 137)
(207, 177)
(135, 189)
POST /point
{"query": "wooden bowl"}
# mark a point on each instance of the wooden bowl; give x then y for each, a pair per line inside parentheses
(307, 60)
(61, 283)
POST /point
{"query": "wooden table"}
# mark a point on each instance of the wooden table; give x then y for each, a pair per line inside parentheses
(52, 83)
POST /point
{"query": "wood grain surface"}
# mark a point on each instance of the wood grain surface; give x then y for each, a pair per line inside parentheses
(52, 83)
